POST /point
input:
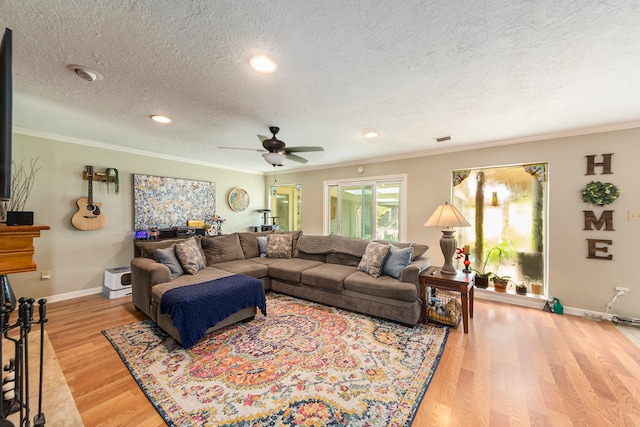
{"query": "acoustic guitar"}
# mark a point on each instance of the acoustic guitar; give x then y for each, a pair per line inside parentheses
(89, 215)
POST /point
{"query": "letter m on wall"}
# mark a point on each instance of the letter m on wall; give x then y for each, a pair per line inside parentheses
(606, 219)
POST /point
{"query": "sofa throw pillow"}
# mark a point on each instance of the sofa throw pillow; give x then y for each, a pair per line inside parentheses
(262, 246)
(167, 256)
(397, 260)
(295, 235)
(189, 256)
(279, 246)
(373, 259)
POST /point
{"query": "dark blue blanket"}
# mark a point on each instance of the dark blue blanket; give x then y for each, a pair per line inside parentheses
(196, 308)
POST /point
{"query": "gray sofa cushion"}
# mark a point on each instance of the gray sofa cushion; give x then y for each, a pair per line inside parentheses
(418, 250)
(243, 266)
(343, 259)
(204, 275)
(332, 243)
(249, 243)
(312, 244)
(327, 276)
(291, 269)
(312, 257)
(348, 245)
(267, 261)
(383, 286)
(222, 248)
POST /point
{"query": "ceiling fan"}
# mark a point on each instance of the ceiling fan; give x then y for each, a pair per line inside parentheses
(277, 151)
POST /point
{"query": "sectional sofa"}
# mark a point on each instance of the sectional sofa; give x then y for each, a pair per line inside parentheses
(375, 278)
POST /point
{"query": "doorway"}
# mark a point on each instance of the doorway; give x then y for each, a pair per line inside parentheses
(286, 207)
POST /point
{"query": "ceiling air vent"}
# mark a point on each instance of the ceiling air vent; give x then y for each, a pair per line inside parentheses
(443, 138)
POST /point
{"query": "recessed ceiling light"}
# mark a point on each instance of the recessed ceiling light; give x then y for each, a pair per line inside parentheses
(160, 119)
(370, 134)
(85, 73)
(262, 64)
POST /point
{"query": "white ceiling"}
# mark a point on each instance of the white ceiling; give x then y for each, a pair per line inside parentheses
(482, 71)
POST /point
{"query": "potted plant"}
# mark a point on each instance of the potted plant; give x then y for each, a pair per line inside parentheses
(500, 283)
(482, 277)
(537, 288)
(521, 288)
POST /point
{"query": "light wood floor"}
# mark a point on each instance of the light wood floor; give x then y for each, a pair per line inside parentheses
(516, 367)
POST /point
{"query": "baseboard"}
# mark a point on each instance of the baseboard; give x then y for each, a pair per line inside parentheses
(74, 294)
(532, 301)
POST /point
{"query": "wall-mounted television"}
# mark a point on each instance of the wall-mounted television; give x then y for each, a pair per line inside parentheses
(6, 101)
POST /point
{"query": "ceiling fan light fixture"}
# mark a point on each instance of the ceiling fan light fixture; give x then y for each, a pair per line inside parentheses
(274, 159)
(263, 64)
(160, 119)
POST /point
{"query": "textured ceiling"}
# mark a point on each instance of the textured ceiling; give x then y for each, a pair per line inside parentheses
(481, 71)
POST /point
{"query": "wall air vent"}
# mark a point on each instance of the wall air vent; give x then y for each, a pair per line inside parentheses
(443, 138)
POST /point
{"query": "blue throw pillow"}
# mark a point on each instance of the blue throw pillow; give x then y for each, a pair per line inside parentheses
(262, 245)
(167, 256)
(397, 260)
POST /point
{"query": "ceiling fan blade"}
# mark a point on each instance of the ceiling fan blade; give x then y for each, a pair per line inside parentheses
(262, 138)
(260, 150)
(303, 149)
(295, 158)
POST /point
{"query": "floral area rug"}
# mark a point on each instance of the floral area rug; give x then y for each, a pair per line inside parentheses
(304, 364)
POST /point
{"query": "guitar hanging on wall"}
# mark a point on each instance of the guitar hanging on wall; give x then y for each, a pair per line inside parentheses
(89, 215)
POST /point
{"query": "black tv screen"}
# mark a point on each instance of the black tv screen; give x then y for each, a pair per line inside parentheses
(6, 101)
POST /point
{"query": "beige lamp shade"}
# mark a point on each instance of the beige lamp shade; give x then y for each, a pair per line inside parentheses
(447, 216)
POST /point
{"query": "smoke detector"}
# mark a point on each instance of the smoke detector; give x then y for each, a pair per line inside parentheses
(85, 73)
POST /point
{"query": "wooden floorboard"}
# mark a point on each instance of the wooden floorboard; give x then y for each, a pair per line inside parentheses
(517, 367)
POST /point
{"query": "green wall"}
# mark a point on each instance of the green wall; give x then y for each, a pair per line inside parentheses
(578, 282)
(77, 259)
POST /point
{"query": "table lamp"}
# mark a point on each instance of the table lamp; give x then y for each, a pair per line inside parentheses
(447, 216)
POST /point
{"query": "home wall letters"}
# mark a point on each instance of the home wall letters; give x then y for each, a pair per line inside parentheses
(605, 163)
(599, 248)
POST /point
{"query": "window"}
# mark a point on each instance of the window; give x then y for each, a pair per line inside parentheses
(371, 209)
(506, 207)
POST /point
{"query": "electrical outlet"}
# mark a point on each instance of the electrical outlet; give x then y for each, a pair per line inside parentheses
(621, 289)
(45, 275)
(634, 215)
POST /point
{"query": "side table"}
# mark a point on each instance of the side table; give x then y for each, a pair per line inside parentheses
(461, 282)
